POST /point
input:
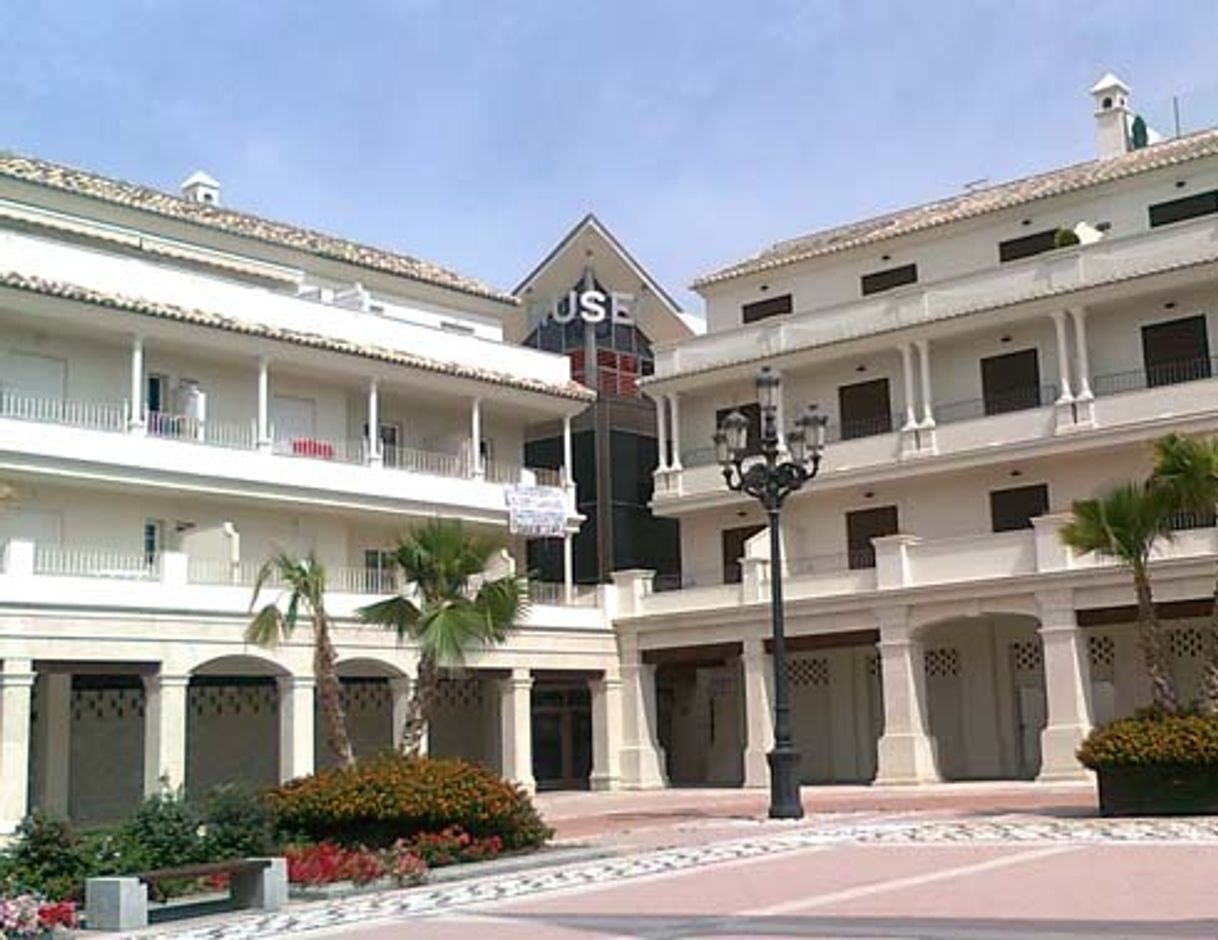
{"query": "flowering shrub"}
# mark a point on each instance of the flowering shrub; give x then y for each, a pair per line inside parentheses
(450, 846)
(405, 866)
(1153, 738)
(389, 797)
(327, 862)
(27, 916)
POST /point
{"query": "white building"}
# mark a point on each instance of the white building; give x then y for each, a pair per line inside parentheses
(183, 388)
(984, 360)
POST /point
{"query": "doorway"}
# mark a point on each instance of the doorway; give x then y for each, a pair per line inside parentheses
(562, 736)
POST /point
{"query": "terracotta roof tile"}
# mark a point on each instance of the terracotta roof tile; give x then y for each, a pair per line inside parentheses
(971, 204)
(119, 192)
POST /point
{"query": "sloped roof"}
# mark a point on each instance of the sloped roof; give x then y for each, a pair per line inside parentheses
(38, 285)
(969, 205)
(144, 198)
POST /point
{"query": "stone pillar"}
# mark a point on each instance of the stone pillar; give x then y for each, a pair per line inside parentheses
(1063, 358)
(16, 688)
(165, 700)
(1083, 365)
(55, 699)
(516, 727)
(399, 693)
(373, 437)
(661, 435)
(642, 757)
(911, 404)
(758, 667)
(1067, 684)
(568, 461)
(296, 731)
(906, 752)
(135, 418)
(477, 470)
(674, 402)
(568, 567)
(264, 442)
(606, 733)
(892, 561)
(928, 409)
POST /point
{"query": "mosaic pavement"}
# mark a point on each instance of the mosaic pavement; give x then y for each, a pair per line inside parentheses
(784, 837)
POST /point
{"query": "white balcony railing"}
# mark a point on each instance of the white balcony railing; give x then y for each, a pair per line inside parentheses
(235, 435)
(99, 416)
(555, 595)
(1099, 263)
(88, 562)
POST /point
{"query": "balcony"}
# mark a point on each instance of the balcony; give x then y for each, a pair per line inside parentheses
(1057, 273)
(62, 430)
(108, 579)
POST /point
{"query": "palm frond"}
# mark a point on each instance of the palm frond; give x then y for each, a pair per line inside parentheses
(448, 632)
(397, 613)
(503, 603)
(1186, 468)
(268, 627)
(1123, 523)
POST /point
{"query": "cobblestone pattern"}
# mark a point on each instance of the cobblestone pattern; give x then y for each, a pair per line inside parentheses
(787, 837)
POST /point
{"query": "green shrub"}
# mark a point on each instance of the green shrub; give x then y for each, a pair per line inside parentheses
(1153, 738)
(164, 832)
(237, 824)
(389, 797)
(47, 857)
(1064, 238)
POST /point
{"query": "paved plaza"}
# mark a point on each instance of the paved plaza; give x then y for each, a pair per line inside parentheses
(953, 862)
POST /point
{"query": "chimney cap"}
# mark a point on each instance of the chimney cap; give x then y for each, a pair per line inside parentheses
(201, 188)
(1109, 83)
(199, 178)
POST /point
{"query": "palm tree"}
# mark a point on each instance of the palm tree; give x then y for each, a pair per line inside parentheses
(1124, 523)
(449, 607)
(1187, 470)
(304, 580)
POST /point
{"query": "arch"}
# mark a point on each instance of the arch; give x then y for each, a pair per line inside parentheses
(240, 664)
(369, 667)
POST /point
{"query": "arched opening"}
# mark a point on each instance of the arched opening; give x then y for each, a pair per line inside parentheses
(368, 692)
(985, 695)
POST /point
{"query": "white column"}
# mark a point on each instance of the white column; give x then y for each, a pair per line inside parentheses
(1083, 365)
(296, 726)
(661, 434)
(374, 424)
(674, 402)
(1067, 681)
(906, 753)
(642, 757)
(568, 567)
(135, 420)
(928, 409)
(568, 461)
(516, 727)
(606, 733)
(55, 703)
(399, 692)
(264, 403)
(1063, 358)
(16, 687)
(475, 443)
(165, 700)
(911, 405)
(758, 712)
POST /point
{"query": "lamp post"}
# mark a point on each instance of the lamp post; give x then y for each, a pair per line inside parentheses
(770, 481)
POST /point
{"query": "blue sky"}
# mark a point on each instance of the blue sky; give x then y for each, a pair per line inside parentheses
(475, 134)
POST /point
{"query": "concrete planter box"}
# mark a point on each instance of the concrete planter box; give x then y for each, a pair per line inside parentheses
(1164, 790)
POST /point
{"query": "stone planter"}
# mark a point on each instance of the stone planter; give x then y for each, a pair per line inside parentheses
(1163, 790)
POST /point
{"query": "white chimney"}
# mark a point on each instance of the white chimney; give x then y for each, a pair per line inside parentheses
(201, 188)
(1112, 116)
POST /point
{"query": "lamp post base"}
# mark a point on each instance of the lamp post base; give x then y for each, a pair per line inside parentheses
(784, 784)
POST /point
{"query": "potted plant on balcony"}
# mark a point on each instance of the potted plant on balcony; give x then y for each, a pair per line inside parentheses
(1163, 760)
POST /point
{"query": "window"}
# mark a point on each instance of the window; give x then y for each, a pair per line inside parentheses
(764, 309)
(889, 278)
(865, 409)
(1190, 207)
(1017, 507)
(158, 388)
(862, 526)
(154, 534)
(1176, 351)
(1025, 247)
(733, 541)
(33, 374)
(1010, 382)
(751, 411)
(378, 570)
(388, 436)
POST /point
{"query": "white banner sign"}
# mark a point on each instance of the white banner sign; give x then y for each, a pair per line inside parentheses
(539, 511)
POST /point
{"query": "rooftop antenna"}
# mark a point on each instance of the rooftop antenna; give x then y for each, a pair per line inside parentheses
(973, 185)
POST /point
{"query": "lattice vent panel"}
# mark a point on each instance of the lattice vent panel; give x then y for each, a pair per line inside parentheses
(217, 701)
(370, 697)
(1186, 643)
(464, 692)
(107, 704)
(1026, 656)
(810, 671)
(942, 662)
(1101, 656)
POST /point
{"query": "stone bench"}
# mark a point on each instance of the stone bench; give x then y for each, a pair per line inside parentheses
(121, 903)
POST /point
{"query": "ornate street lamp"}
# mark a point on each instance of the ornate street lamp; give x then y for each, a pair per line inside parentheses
(770, 482)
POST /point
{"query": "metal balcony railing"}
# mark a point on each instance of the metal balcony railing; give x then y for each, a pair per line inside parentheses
(237, 436)
(88, 562)
(1018, 399)
(98, 416)
(1166, 373)
(555, 594)
(423, 461)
